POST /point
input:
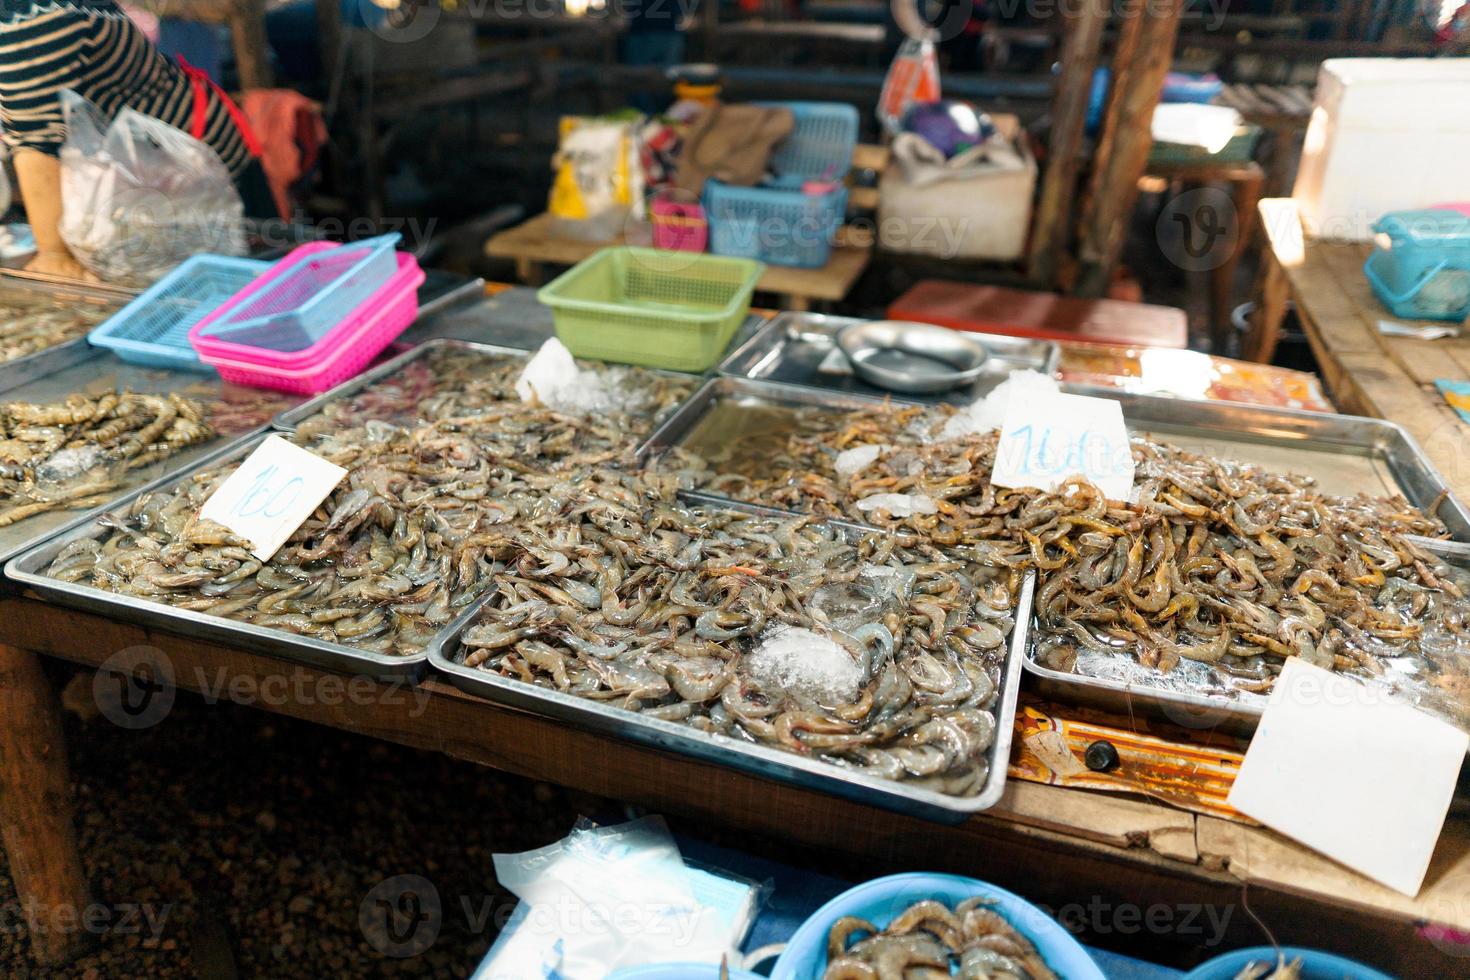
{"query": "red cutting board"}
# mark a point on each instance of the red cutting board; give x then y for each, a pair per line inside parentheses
(1041, 316)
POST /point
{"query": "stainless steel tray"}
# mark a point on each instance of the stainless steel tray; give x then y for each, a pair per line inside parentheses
(1195, 711)
(29, 571)
(1346, 454)
(101, 372)
(289, 420)
(701, 420)
(759, 760)
(794, 348)
(23, 370)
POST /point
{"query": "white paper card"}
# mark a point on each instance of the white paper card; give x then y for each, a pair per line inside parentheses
(1351, 772)
(1049, 437)
(274, 490)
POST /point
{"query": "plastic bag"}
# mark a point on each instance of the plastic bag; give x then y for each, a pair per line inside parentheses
(139, 196)
(913, 77)
(599, 177)
(609, 897)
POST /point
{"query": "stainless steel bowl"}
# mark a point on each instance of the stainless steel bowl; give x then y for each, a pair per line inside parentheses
(919, 358)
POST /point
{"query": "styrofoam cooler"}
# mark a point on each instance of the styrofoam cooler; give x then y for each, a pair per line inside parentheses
(1386, 134)
(984, 216)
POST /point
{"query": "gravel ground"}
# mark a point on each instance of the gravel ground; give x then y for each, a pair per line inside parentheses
(227, 842)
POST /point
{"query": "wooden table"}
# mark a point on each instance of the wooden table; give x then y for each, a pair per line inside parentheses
(1245, 181)
(1365, 372)
(533, 245)
(1106, 859)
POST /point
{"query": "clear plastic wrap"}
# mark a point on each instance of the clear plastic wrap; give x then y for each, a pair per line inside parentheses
(139, 196)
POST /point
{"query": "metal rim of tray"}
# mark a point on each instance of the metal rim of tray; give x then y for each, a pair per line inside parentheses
(288, 420)
(1181, 708)
(26, 569)
(58, 357)
(760, 760)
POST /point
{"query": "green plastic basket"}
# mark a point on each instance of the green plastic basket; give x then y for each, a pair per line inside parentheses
(660, 309)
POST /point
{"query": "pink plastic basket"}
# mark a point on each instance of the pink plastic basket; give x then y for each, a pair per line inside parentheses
(344, 351)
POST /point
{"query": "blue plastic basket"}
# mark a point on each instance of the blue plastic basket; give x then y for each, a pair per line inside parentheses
(153, 329)
(1425, 271)
(820, 146)
(775, 222)
(775, 226)
(312, 290)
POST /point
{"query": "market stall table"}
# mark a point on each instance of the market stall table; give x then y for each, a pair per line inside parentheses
(1060, 846)
(1366, 372)
(534, 244)
(1057, 846)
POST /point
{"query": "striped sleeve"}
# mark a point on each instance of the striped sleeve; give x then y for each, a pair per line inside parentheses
(38, 58)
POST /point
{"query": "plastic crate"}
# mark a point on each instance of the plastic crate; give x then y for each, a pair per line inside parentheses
(153, 329)
(777, 223)
(775, 226)
(660, 309)
(341, 354)
(820, 146)
(1424, 273)
(308, 293)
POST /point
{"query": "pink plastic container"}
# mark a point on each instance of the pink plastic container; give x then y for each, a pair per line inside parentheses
(341, 353)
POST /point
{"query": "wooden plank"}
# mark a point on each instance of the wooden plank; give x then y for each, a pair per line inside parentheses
(1139, 67)
(534, 241)
(1260, 857)
(36, 812)
(1050, 226)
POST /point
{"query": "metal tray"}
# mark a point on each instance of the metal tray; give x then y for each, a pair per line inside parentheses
(794, 347)
(29, 568)
(288, 421)
(442, 290)
(23, 370)
(759, 760)
(100, 372)
(1194, 711)
(699, 420)
(1346, 454)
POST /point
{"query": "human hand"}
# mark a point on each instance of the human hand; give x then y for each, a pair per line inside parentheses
(62, 265)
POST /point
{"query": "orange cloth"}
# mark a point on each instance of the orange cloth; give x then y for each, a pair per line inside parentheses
(291, 133)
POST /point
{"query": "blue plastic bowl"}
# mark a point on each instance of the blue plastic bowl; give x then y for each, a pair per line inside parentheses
(679, 971)
(1315, 965)
(881, 900)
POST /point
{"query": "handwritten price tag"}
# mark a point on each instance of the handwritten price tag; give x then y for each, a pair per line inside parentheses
(1048, 438)
(274, 490)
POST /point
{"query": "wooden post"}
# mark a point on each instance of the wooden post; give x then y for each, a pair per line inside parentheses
(252, 48)
(1144, 53)
(1049, 226)
(35, 809)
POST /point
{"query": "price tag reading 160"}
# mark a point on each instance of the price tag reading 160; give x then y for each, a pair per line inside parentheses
(274, 490)
(1048, 438)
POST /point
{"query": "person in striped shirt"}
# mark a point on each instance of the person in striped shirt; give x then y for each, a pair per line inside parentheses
(92, 48)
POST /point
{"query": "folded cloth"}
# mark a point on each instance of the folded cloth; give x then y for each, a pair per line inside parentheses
(733, 144)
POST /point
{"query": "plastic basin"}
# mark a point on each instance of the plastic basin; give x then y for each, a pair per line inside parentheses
(881, 900)
(1316, 965)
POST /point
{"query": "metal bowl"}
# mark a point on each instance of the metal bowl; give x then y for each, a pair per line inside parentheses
(918, 358)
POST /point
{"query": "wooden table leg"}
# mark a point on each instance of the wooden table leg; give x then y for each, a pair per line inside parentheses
(528, 271)
(797, 304)
(1246, 194)
(1265, 325)
(35, 810)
